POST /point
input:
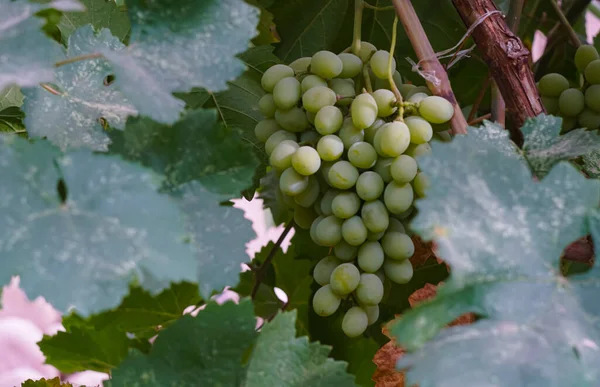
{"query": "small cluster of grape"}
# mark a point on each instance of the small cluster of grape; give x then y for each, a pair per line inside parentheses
(578, 106)
(346, 164)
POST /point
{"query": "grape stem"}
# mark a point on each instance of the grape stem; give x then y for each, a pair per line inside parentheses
(367, 78)
(390, 72)
(375, 8)
(359, 5)
(49, 89)
(480, 119)
(78, 59)
(565, 23)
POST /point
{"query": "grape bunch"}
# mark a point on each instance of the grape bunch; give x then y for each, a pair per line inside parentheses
(578, 106)
(345, 160)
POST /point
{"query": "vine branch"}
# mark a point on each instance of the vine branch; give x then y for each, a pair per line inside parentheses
(565, 24)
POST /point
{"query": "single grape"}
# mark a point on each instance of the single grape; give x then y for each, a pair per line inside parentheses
(326, 302)
(571, 102)
(303, 217)
(328, 120)
(369, 290)
(324, 268)
(276, 138)
(375, 216)
(552, 85)
(318, 97)
(330, 147)
(292, 183)
(370, 132)
(369, 186)
(416, 98)
(420, 130)
(311, 117)
(345, 252)
(349, 134)
(351, 65)
(292, 120)
(327, 201)
(309, 136)
(592, 72)
(310, 195)
(370, 257)
(584, 55)
(362, 155)
(374, 236)
(400, 272)
(344, 88)
(403, 169)
(398, 197)
(344, 279)
(589, 119)
(300, 65)
(313, 230)
(265, 128)
(286, 93)
(372, 313)
(441, 127)
(405, 214)
(385, 101)
(329, 231)
(396, 225)
(267, 106)
(379, 64)
(306, 161)
(379, 84)
(592, 97)
(326, 64)
(420, 184)
(394, 138)
(420, 150)
(287, 200)
(354, 231)
(436, 110)
(383, 168)
(418, 89)
(355, 322)
(397, 245)
(311, 81)
(343, 175)
(366, 50)
(281, 157)
(568, 124)
(345, 205)
(273, 75)
(551, 104)
(363, 110)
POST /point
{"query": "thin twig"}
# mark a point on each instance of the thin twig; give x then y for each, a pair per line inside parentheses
(262, 270)
(565, 23)
(49, 88)
(78, 58)
(386, 8)
(480, 96)
(480, 119)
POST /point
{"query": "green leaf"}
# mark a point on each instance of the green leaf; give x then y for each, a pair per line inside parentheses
(177, 46)
(100, 14)
(11, 96)
(272, 198)
(72, 119)
(544, 146)
(591, 164)
(112, 227)
(46, 383)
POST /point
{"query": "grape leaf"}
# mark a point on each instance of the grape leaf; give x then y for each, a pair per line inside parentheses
(544, 146)
(504, 249)
(177, 46)
(46, 383)
(100, 14)
(591, 164)
(10, 96)
(103, 225)
(32, 53)
(72, 117)
(272, 198)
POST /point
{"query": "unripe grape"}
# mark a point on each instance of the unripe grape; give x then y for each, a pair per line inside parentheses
(372, 313)
(304, 217)
(420, 130)
(326, 302)
(404, 169)
(311, 117)
(318, 97)
(287, 200)
(379, 64)
(372, 130)
(310, 195)
(330, 147)
(351, 65)
(324, 268)
(310, 81)
(313, 230)
(306, 161)
(355, 322)
(267, 106)
(345, 205)
(552, 85)
(370, 257)
(366, 49)
(345, 252)
(369, 290)
(350, 134)
(385, 101)
(417, 98)
(418, 89)
(589, 119)
(436, 109)
(363, 110)
(394, 138)
(420, 184)
(265, 128)
(369, 186)
(379, 83)
(592, 97)
(354, 231)
(396, 225)
(362, 155)
(398, 197)
(329, 120)
(281, 157)
(327, 201)
(344, 88)
(400, 272)
(344, 279)
(329, 231)
(300, 65)
(568, 124)
(309, 136)
(571, 102)
(406, 214)
(343, 175)
(292, 120)
(592, 72)
(292, 183)
(286, 93)
(276, 138)
(397, 245)
(420, 150)
(551, 104)
(383, 168)
(273, 75)
(326, 64)
(441, 127)
(375, 216)
(374, 236)
(584, 55)
(405, 89)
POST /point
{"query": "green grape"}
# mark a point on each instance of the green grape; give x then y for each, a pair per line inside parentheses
(329, 231)
(398, 197)
(306, 161)
(436, 109)
(397, 245)
(385, 101)
(571, 102)
(417, 98)
(369, 290)
(345, 252)
(303, 217)
(313, 230)
(349, 134)
(343, 175)
(324, 268)
(287, 200)
(420, 150)
(355, 322)
(309, 136)
(281, 157)
(366, 50)
(420, 184)
(326, 64)
(589, 119)
(418, 89)
(276, 138)
(374, 236)
(551, 104)
(420, 130)
(351, 65)
(344, 88)
(265, 128)
(405, 89)
(592, 97)
(292, 183)
(267, 106)
(311, 81)
(369, 133)
(369, 186)
(383, 167)
(372, 313)
(330, 147)
(362, 155)
(405, 214)
(403, 169)
(310, 195)
(345, 205)
(311, 117)
(394, 138)
(400, 272)
(300, 65)
(363, 110)
(354, 231)
(552, 85)
(592, 72)
(292, 120)
(344, 279)
(568, 124)
(379, 64)
(440, 127)
(327, 201)
(375, 216)
(325, 302)
(318, 97)
(396, 226)
(273, 75)
(584, 55)
(328, 120)
(370, 257)
(286, 93)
